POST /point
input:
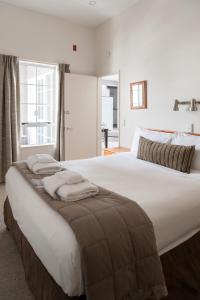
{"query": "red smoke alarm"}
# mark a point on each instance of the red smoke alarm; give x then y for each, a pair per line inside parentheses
(74, 48)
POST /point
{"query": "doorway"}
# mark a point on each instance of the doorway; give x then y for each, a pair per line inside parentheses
(110, 112)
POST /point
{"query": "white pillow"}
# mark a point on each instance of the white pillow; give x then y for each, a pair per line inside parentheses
(155, 136)
(185, 139)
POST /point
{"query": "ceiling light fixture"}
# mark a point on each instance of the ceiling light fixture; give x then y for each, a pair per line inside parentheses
(92, 2)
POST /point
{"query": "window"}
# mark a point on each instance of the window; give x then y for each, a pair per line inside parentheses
(38, 89)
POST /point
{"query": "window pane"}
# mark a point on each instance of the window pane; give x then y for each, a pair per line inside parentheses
(38, 103)
(43, 113)
(44, 94)
(28, 93)
(28, 136)
(44, 135)
(37, 135)
(45, 75)
(27, 74)
(28, 113)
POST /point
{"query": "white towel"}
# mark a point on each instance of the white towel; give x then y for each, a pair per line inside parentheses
(39, 158)
(53, 183)
(43, 164)
(47, 168)
(70, 177)
(77, 191)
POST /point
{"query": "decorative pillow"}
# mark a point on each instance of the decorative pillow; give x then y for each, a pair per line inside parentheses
(185, 139)
(155, 136)
(171, 156)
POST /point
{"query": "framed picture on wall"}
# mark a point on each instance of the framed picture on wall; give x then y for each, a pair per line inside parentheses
(138, 95)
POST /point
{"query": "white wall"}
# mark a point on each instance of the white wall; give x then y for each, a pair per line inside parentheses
(158, 41)
(39, 37)
(155, 40)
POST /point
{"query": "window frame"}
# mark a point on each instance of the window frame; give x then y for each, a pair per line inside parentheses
(39, 124)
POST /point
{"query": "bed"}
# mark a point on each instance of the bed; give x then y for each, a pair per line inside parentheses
(170, 199)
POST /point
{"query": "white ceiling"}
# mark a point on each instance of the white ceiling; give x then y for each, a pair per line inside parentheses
(78, 11)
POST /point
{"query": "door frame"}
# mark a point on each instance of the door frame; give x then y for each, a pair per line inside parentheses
(99, 108)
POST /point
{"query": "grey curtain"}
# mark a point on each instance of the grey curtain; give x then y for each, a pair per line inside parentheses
(60, 145)
(9, 112)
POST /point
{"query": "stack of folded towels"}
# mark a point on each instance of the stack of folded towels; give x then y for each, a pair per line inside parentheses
(43, 164)
(65, 185)
(69, 186)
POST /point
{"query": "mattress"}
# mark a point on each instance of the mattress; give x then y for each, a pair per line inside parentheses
(170, 198)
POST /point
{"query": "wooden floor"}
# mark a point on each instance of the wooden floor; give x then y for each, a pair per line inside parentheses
(110, 151)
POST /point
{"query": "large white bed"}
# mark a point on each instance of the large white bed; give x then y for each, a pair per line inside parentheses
(171, 200)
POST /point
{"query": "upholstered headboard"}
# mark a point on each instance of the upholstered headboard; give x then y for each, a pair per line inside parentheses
(171, 131)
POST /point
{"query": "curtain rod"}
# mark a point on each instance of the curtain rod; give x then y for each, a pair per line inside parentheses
(39, 62)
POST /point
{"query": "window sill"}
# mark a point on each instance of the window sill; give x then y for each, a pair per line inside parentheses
(33, 146)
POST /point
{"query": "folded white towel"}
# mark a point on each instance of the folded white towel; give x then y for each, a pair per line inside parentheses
(47, 168)
(43, 164)
(70, 177)
(53, 183)
(77, 191)
(39, 158)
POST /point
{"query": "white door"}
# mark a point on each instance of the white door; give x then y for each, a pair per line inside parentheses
(80, 116)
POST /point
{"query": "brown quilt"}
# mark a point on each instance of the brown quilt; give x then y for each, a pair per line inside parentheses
(117, 242)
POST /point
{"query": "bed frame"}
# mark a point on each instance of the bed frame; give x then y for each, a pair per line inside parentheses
(181, 265)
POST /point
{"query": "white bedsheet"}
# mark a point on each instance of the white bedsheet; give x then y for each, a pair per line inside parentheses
(171, 200)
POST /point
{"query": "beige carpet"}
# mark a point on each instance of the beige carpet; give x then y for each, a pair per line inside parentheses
(12, 282)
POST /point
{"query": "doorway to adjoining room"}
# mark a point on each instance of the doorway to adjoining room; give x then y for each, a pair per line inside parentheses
(110, 113)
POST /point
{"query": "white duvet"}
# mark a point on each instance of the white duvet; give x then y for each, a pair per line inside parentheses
(171, 200)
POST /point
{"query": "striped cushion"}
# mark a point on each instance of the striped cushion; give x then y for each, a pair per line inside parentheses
(171, 156)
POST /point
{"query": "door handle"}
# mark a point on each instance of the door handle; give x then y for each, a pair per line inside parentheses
(69, 128)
